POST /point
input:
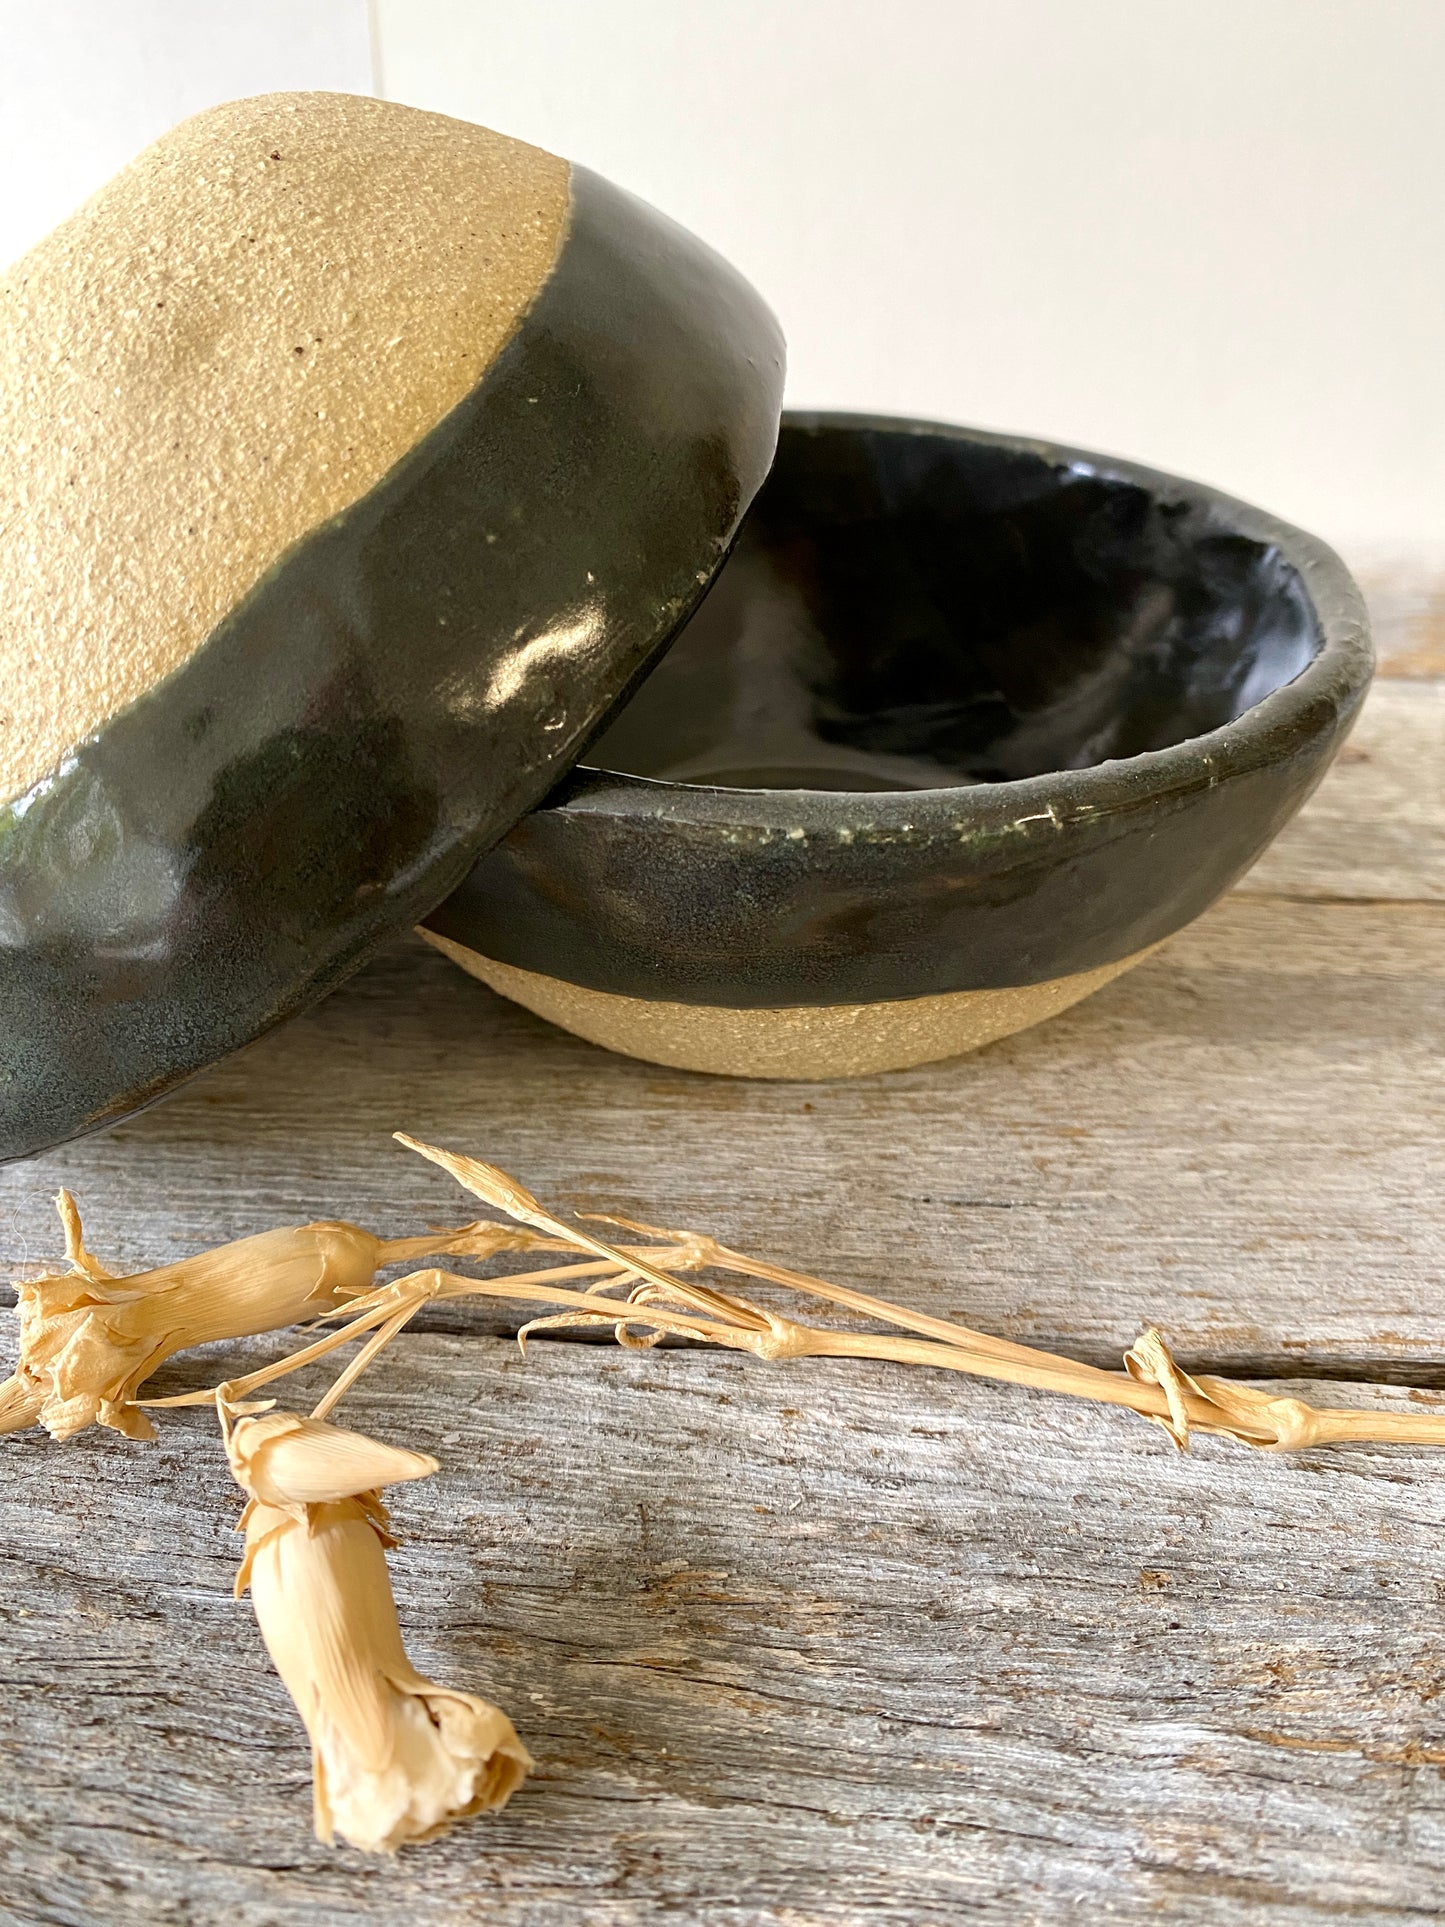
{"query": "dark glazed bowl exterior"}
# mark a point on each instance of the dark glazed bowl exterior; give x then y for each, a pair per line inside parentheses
(989, 609)
(403, 685)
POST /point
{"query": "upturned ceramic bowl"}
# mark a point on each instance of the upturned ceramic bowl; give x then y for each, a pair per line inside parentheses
(354, 461)
(967, 725)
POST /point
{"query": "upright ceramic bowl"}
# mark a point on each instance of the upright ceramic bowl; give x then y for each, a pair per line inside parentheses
(968, 724)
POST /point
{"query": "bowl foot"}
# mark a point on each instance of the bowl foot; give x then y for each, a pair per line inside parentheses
(814, 1041)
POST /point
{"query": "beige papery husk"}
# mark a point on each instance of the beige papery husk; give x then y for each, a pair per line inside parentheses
(89, 1338)
(658, 1303)
(395, 1757)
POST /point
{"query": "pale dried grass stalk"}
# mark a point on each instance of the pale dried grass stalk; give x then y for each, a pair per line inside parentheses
(89, 1339)
(1152, 1384)
(395, 1757)
(382, 1312)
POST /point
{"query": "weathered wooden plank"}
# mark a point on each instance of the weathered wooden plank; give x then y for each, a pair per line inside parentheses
(1405, 594)
(819, 1643)
(1375, 828)
(840, 1643)
(1243, 1140)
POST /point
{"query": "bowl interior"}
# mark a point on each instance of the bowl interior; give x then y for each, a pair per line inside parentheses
(914, 610)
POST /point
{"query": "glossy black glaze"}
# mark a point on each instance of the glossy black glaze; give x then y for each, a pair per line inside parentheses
(400, 688)
(1047, 706)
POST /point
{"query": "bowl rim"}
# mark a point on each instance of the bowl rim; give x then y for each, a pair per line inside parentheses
(1331, 683)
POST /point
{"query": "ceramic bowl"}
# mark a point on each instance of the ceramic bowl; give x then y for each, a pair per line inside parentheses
(967, 725)
(331, 524)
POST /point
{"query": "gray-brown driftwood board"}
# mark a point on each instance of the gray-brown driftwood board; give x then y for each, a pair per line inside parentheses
(827, 1642)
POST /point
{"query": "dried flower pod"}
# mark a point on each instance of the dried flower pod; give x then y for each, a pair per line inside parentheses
(291, 1462)
(395, 1758)
(89, 1339)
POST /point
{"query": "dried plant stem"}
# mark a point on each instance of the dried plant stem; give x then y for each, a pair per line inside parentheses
(1152, 1384)
(718, 1257)
(477, 1240)
(504, 1193)
(1214, 1405)
(253, 1381)
(659, 1302)
(768, 1336)
(374, 1309)
(378, 1341)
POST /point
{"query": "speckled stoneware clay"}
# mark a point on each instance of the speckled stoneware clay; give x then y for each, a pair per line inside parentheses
(353, 463)
(965, 727)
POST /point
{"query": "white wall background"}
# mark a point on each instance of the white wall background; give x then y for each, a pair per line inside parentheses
(1208, 235)
(85, 84)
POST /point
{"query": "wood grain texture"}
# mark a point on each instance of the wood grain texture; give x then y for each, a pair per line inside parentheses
(795, 1644)
(1375, 828)
(1241, 1141)
(1405, 595)
(822, 1643)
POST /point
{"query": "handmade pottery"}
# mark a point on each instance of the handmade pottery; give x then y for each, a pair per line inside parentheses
(967, 725)
(353, 463)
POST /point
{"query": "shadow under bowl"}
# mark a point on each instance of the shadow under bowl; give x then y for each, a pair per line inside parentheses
(966, 726)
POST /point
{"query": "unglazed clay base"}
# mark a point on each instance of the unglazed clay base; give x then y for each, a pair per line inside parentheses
(837, 1040)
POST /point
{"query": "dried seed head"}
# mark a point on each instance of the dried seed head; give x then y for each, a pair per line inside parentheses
(485, 1181)
(89, 1339)
(394, 1757)
(292, 1462)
